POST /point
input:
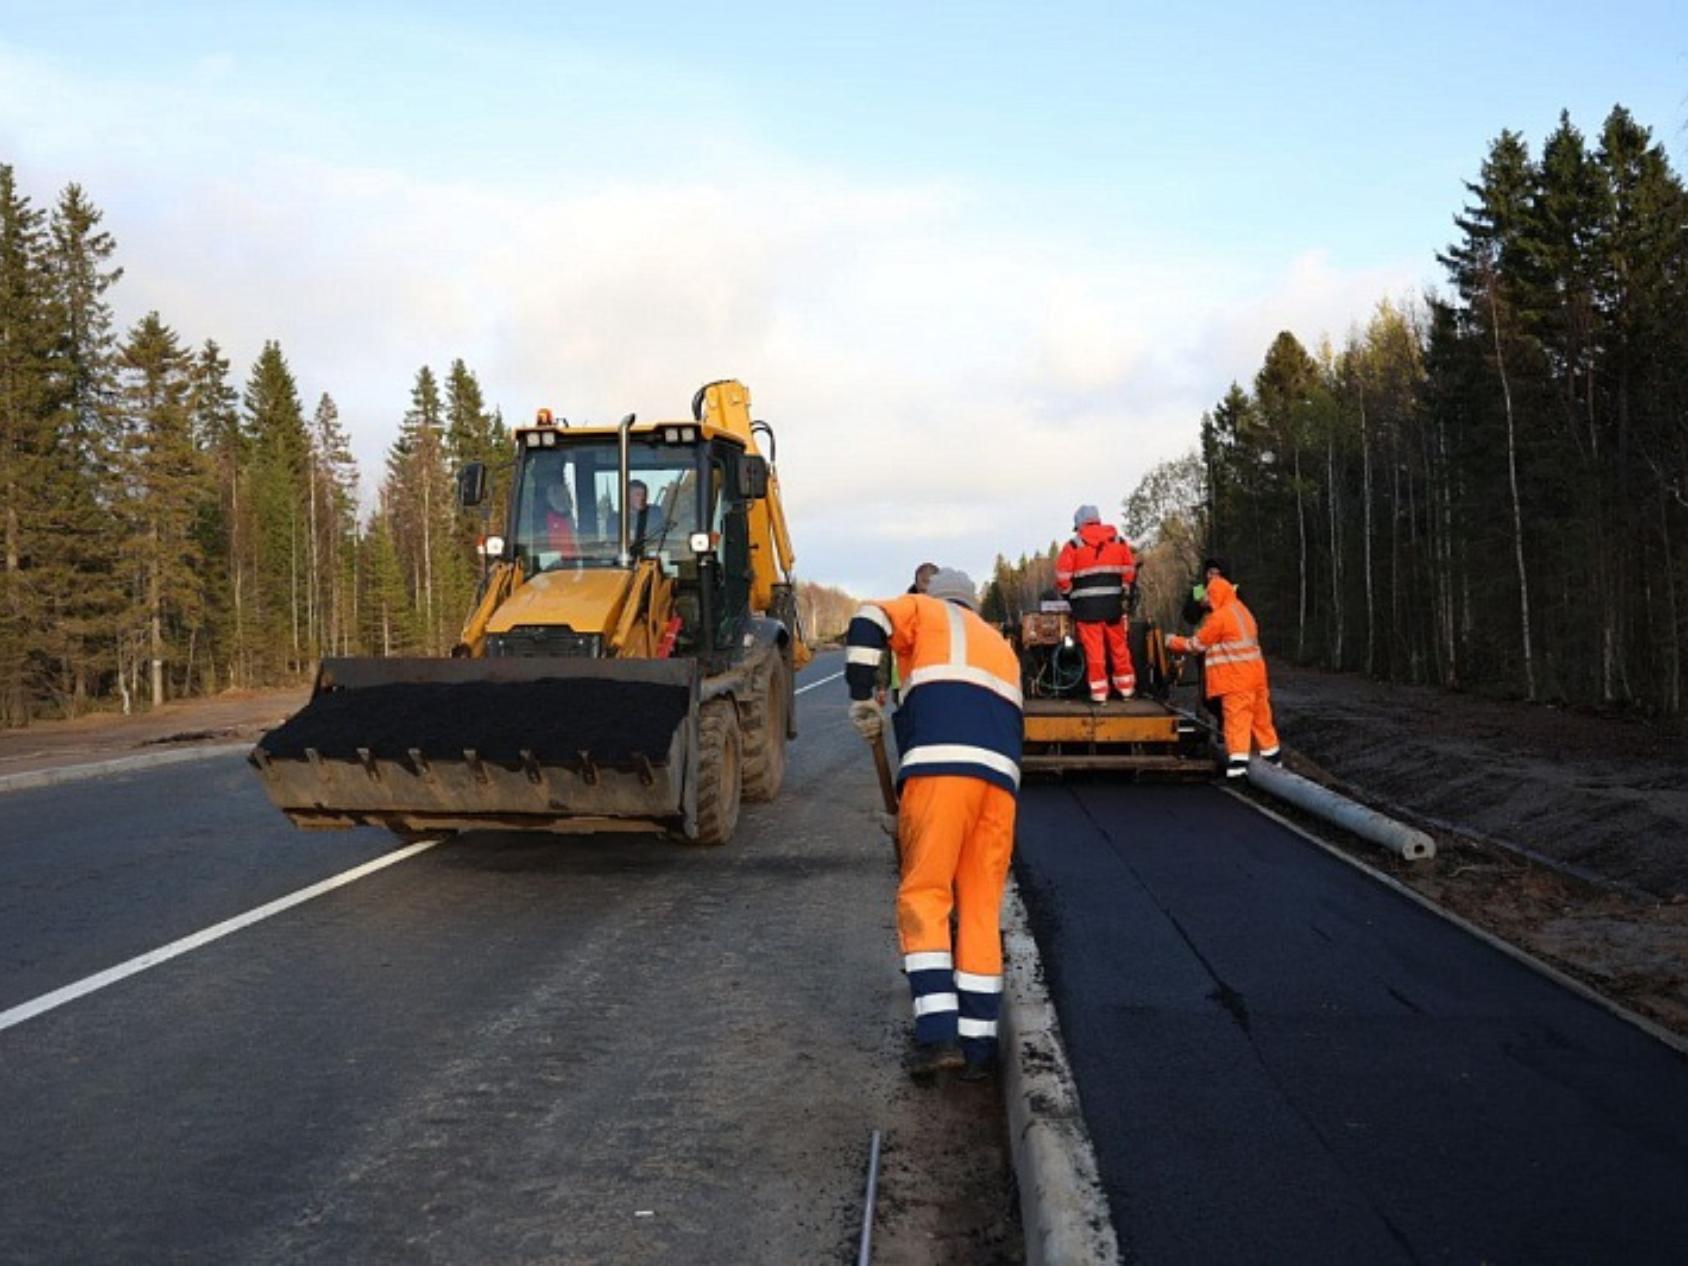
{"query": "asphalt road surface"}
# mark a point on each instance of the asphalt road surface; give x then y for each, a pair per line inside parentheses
(1281, 1060)
(504, 1048)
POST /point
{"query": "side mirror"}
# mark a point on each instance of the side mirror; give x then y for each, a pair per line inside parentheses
(752, 478)
(471, 485)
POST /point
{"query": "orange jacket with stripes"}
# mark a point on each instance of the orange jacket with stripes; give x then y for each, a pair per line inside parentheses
(1229, 641)
(1093, 571)
(961, 700)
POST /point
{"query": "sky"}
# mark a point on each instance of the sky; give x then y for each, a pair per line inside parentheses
(979, 263)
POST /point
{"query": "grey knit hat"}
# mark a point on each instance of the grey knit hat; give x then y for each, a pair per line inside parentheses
(1086, 514)
(953, 585)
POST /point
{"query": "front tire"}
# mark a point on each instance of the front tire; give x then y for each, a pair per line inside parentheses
(720, 769)
(764, 735)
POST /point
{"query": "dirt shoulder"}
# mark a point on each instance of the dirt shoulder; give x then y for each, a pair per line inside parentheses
(231, 717)
(1566, 833)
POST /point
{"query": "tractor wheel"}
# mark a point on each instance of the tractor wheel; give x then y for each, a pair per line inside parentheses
(720, 769)
(764, 734)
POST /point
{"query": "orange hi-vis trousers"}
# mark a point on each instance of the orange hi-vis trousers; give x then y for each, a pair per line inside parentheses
(1248, 720)
(1102, 641)
(956, 835)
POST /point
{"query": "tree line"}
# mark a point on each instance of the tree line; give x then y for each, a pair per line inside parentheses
(167, 533)
(1483, 488)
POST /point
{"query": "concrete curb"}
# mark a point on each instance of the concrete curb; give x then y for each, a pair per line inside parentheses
(1063, 1208)
(34, 778)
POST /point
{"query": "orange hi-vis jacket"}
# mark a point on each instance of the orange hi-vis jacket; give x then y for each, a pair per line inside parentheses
(961, 700)
(1229, 641)
(1092, 572)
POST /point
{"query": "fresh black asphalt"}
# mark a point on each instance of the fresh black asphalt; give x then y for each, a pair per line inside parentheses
(1281, 1060)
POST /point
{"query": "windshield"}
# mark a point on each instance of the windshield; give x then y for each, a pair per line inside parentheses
(568, 508)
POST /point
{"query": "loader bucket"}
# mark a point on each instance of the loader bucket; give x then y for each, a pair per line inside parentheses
(550, 744)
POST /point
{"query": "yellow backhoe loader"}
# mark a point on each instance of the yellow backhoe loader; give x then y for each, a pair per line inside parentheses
(628, 666)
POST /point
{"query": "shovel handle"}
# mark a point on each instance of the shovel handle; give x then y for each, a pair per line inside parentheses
(882, 763)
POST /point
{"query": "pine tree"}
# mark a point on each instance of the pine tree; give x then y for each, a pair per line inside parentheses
(225, 523)
(163, 478)
(26, 446)
(280, 448)
(83, 591)
(334, 480)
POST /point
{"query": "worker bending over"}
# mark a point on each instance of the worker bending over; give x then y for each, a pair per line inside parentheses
(1235, 672)
(959, 730)
(1092, 572)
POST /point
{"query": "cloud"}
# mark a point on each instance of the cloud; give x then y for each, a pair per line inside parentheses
(944, 383)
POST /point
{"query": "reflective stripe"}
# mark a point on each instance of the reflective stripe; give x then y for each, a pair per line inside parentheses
(1063, 575)
(965, 673)
(927, 1003)
(966, 1026)
(1111, 569)
(863, 655)
(875, 614)
(961, 754)
(1268, 752)
(928, 960)
(978, 984)
(1096, 591)
(1237, 771)
(1246, 657)
(958, 636)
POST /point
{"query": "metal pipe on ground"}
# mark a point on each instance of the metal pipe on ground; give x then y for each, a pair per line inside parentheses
(1404, 841)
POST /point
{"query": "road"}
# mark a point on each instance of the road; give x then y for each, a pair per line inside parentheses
(504, 1048)
(1282, 1060)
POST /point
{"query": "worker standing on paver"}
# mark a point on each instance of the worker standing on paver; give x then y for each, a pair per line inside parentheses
(1234, 673)
(1092, 573)
(959, 731)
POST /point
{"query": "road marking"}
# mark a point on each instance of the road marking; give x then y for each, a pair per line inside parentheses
(815, 684)
(152, 958)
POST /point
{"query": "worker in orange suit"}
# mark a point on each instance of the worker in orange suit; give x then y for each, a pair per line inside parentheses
(1092, 573)
(958, 730)
(1234, 672)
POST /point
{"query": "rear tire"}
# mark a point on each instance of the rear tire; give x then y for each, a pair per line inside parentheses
(764, 735)
(720, 769)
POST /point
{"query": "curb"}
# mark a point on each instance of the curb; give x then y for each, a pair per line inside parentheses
(122, 765)
(1063, 1208)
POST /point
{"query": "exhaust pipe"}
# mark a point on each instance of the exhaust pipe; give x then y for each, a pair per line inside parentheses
(624, 558)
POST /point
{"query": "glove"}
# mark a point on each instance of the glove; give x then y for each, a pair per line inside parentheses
(868, 719)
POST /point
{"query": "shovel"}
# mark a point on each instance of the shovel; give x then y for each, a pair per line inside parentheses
(887, 785)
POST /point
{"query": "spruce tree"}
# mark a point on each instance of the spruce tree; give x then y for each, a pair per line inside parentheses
(280, 448)
(26, 446)
(83, 590)
(163, 479)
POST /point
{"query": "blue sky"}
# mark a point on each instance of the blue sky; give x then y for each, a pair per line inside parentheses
(999, 256)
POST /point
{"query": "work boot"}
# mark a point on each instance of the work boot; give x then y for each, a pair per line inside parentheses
(1273, 757)
(976, 1070)
(925, 1060)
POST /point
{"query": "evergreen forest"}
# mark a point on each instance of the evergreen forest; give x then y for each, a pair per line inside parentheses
(170, 532)
(1485, 487)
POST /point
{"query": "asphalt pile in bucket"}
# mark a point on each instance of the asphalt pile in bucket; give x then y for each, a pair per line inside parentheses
(615, 721)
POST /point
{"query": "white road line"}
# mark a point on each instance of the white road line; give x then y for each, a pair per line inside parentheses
(152, 958)
(801, 690)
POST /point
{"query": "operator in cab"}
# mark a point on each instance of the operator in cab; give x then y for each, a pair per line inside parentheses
(646, 523)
